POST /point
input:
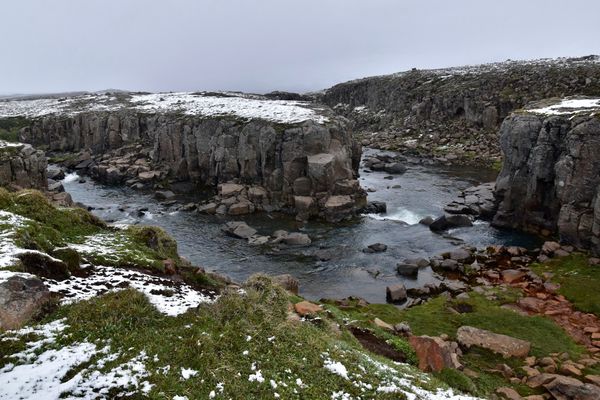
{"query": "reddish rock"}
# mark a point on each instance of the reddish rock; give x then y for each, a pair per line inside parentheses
(307, 308)
(433, 353)
(570, 369)
(512, 275)
(550, 247)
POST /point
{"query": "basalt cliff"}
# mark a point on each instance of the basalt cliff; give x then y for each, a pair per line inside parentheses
(288, 155)
(550, 181)
(453, 114)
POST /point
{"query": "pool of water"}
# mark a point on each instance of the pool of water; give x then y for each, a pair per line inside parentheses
(421, 191)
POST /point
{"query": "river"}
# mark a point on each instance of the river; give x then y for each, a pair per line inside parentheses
(421, 191)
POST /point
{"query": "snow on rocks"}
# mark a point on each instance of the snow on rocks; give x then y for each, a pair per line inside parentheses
(169, 297)
(569, 106)
(203, 104)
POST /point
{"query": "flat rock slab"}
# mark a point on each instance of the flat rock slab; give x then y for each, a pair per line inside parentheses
(507, 346)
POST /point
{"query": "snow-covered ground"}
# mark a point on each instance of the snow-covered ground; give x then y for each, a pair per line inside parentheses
(569, 106)
(39, 371)
(201, 104)
(171, 298)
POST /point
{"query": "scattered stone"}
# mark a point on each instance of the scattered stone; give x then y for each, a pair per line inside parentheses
(427, 221)
(375, 248)
(383, 325)
(297, 239)
(446, 222)
(396, 293)
(403, 328)
(239, 229)
(410, 270)
(375, 207)
(164, 195)
(305, 308)
(509, 393)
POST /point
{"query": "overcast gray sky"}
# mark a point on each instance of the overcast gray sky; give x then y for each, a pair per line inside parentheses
(263, 45)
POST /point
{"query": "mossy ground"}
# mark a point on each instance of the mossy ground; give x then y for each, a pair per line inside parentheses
(579, 281)
(225, 343)
(50, 228)
(10, 127)
(439, 316)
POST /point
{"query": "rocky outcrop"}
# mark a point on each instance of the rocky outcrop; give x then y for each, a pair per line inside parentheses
(22, 166)
(550, 183)
(454, 113)
(291, 152)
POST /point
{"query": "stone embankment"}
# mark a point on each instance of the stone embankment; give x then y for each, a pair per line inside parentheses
(549, 183)
(22, 166)
(301, 158)
(453, 114)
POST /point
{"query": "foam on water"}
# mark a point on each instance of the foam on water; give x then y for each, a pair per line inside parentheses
(71, 177)
(401, 214)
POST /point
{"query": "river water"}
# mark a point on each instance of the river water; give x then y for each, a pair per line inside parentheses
(421, 191)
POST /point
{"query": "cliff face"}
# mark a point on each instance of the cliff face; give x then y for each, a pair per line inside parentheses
(22, 166)
(550, 181)
(457, 110)
(290, 152)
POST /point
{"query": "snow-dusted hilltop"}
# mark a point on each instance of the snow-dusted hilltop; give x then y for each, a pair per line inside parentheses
(196, 104)
(454, 113)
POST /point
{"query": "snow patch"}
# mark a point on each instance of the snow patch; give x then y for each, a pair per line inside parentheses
(569, 106)
(169, 297)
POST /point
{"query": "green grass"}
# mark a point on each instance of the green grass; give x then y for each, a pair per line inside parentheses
(213, 340)
(10, 127)
(435, 318)
(579, 281)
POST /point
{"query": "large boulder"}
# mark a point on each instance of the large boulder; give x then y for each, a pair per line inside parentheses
(446, 222)
(504, 345)
(22, 297)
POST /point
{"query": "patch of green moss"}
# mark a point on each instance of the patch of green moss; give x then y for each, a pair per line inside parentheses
(579, 281)
(10, 127)
(154, 238)
(458, 380)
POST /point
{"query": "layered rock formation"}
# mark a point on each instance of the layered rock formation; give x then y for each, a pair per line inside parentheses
(550, 182)
(22, 166)
(298, 154)
(454, 113)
